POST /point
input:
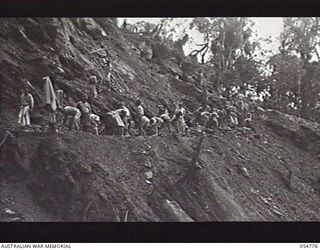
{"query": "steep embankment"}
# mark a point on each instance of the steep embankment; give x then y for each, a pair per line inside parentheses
(61, 48)
(270, 174)
(104, 178)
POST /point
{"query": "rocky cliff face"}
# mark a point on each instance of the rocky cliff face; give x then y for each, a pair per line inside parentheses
(269, 174)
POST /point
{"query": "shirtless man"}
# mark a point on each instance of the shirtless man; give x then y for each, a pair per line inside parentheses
(157, 124)
(74, 114)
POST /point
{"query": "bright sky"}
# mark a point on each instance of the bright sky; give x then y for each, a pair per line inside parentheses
(264, 26)
(268, 26)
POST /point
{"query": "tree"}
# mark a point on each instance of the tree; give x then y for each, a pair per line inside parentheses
(228, 42)
(285, 81)
(144, 27)
(165, 29)
(300, 37)
(227, 47)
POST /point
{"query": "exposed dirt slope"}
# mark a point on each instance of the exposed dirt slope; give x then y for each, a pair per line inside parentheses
(270, 174)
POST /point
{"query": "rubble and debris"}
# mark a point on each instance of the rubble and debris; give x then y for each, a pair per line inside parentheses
(149, 175)
(9, 211)
(244, 171)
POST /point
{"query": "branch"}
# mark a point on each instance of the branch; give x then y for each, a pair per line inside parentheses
(201, 44)
(205, 51)
(8, 133)
(197, 43)
(203, 54)
(198, 51)
(317, 53)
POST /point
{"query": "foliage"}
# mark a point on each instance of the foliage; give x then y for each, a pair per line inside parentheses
(294, 78)
(301, 36)
(231, 50)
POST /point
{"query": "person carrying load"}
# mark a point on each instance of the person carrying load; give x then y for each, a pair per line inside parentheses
(117, 116)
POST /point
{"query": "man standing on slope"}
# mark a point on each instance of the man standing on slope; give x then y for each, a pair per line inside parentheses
(61, 97)
(126, 118)
(142, 120)
(178, 119)
(164, 115)
(93, 86)
(26, 108)
(85, 108)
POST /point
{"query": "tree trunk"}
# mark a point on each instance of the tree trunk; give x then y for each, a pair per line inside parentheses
(304, 95)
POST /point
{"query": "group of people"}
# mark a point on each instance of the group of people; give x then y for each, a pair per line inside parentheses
(163, 120)
(227, 114)
(57, 110)
(80, 116)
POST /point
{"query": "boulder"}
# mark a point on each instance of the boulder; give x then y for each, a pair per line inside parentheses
(146, 50)
(174, 212)
(90, 26)
(303, 133)
(149, 175)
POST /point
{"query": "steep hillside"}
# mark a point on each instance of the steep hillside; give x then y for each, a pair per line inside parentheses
(60, 48)
(271, 173)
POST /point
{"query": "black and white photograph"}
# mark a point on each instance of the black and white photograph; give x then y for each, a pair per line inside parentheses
(166, 119)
